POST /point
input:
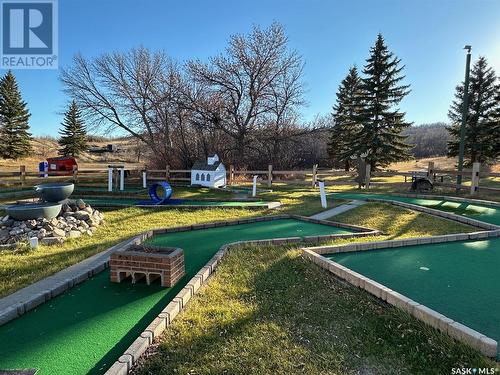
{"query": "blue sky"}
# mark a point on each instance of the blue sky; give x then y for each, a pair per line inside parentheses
(330, 35)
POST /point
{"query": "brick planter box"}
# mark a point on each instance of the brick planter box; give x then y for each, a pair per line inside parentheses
(149, 263)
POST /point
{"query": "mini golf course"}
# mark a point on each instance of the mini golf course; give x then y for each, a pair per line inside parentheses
(458, 279)
(87, 328)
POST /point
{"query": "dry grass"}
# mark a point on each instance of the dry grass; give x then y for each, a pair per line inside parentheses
(440, 162)
(268, 311)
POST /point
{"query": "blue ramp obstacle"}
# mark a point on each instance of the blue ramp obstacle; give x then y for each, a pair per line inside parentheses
(153, 192)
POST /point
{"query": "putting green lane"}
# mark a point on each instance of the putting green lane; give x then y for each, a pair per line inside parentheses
(188, 202)
(87, 328)
(488, 214)
(457, 279)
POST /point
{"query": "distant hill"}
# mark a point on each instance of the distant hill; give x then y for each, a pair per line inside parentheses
(428, 140)
(127, 151)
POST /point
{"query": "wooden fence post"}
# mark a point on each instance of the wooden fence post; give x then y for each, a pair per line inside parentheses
(270, 175)
(167, 172)
(231, 174)
(367, 175)
(22, 174)
(75, 174)
(430, 171)
(474, 180)
(315, 175)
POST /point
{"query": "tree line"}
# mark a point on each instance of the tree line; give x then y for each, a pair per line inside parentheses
(245, 104)
(367, 121)
(15, 138)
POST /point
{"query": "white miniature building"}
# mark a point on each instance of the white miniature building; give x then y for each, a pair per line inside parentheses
(211, 173)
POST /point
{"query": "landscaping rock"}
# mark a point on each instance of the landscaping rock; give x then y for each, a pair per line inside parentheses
(74, 234)
(51, 240)
(76, 218)
(4, 233)
(16, 232)
(82, 215)
(59, 232)
(80, 204)
(8, 222)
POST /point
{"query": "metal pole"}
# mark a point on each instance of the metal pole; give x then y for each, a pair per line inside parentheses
(465, 108)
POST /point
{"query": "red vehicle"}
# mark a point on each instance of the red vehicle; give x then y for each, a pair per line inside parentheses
(64, 165)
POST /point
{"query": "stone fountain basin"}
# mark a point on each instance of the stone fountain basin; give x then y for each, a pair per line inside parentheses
(30, 211)
(55, 192)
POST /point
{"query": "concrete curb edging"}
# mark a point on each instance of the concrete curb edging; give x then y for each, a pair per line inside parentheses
(28, 298)
(159, 324)
(486, 345)
(450, 198)
(374, 245)
(443, 214)
(130, 357)
(270, 205)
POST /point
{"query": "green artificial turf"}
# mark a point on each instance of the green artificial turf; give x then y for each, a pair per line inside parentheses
(99, 189)
(457, 279)
(109, 202)
(87, 328)
(488, 214)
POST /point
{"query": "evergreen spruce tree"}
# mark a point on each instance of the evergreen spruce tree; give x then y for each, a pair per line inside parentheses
(382, 122)
(15, 139)
(496, 124)
(73, 139)
(482, 128)
(345, 115)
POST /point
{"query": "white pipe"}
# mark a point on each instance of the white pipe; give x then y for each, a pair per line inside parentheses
(322, 194)
(122, 179)
(144, 180)
(254, 189)
(110, 178)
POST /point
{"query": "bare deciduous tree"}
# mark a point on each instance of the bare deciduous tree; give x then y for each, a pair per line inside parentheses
(257, 78)
(138, 92)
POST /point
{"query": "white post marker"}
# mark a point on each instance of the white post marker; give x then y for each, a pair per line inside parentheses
(122, 178)
(34, 242)
(322, 194)
(254, 189)
(475, 178)
(144, 180)
(46, 170)
(110, 178)
(367, 175)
